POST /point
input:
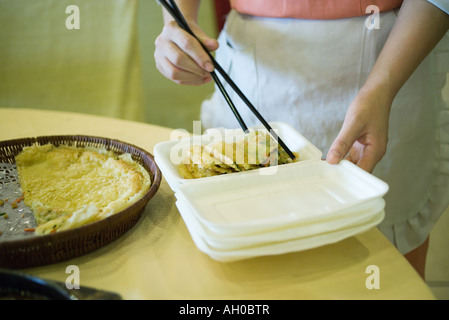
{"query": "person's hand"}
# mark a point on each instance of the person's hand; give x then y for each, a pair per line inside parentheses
(181, 58)
(363, 137)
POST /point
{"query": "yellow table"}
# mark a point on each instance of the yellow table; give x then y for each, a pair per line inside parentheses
(157, 258)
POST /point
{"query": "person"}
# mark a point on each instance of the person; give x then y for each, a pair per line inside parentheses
(368, 91)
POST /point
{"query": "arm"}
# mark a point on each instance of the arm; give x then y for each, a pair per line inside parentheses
(179, 56)
(364, 134)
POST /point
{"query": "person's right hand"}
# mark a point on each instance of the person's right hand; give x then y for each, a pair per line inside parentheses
(181, 58)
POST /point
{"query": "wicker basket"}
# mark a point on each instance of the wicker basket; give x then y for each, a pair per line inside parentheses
(51, 248)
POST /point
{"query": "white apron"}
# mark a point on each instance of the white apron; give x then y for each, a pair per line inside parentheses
(307, 72)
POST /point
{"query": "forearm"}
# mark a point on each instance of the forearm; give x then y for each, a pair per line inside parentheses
(189, 9)
(418, 28)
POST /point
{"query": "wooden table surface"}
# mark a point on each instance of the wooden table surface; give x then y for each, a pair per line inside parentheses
(157, 258)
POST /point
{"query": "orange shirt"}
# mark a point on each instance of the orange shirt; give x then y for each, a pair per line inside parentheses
(311, 9)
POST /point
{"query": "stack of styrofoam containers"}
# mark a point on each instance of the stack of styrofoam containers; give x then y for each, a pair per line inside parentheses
(273, 210)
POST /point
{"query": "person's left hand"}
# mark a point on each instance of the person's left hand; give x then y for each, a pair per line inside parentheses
(363, 137)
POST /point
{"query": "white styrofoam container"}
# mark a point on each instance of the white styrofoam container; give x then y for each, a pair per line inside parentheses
(167, 153)
(362, 214)
(297, 193)
(275, 248)
(277, 209)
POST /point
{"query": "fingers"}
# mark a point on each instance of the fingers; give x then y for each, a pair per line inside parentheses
(178, 67)
(365, 155)
(181, 58)
(369, 156)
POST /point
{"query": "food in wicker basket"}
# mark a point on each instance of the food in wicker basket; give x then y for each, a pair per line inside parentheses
(67, 186)
(253, 150)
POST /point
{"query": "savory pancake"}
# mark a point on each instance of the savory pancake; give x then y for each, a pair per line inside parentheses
(253, 150)
(67, 187)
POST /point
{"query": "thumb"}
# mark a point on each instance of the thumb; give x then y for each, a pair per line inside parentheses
(210, 43)
(339, 148)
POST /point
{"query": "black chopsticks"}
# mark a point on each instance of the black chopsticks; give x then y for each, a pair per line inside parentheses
(174, 11)
(179, 18)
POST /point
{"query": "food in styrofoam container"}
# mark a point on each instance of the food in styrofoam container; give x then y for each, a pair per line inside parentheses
(169, 155)
(249, 151)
